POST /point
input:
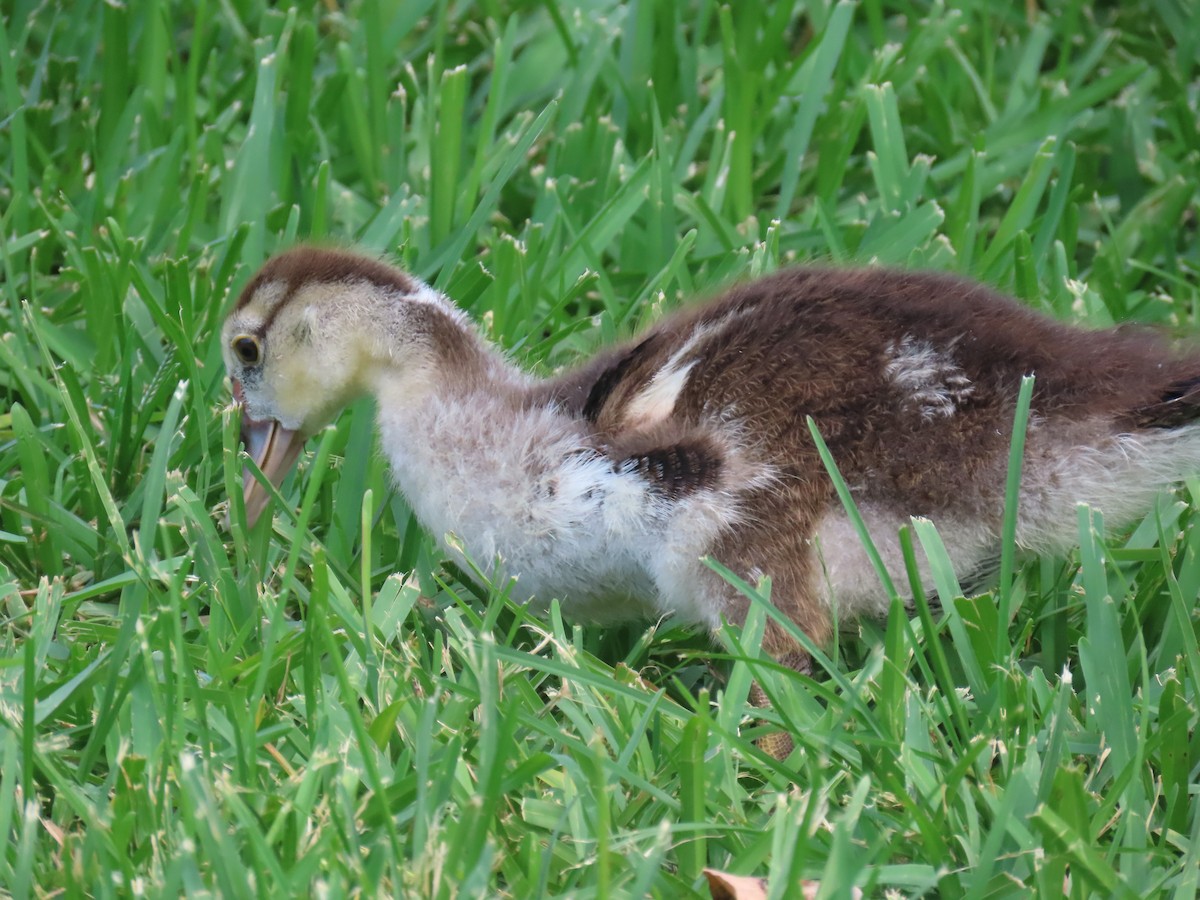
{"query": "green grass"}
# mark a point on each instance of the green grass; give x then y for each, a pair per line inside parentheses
(328, 707)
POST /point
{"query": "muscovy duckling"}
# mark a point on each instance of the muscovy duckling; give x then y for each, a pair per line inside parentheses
(606, 486)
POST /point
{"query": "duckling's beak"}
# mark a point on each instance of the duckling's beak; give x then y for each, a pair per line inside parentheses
(273, 448)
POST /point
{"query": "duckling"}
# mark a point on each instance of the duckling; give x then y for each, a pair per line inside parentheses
(608, 485)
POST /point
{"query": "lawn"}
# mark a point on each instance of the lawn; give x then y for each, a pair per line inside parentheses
(322, 706)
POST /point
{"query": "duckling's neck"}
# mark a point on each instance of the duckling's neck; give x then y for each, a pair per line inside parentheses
(494, 473)
(421, 347)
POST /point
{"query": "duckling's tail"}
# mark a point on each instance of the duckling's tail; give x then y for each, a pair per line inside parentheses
(1178, 406)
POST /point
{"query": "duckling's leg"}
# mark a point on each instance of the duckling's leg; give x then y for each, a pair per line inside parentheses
(788, 653)
(778, 744)
(792, 566)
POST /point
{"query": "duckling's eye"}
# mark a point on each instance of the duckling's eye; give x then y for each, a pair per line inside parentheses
(248, 349)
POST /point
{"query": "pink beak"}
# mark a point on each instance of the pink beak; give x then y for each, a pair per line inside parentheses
(272, 447)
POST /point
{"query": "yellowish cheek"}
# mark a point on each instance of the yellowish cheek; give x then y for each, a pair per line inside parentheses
(311, 392)
(295, 388)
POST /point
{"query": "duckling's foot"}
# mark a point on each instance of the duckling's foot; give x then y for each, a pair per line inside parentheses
(779, 744)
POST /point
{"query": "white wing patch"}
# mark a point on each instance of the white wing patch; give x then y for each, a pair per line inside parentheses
(933, 383)
(657, 401)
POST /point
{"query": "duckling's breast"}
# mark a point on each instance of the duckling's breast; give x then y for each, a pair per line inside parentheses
(523, 495)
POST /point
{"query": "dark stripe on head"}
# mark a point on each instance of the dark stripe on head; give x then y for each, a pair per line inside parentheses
(316, 265)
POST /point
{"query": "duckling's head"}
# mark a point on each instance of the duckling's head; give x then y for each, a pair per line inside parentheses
(311, 332)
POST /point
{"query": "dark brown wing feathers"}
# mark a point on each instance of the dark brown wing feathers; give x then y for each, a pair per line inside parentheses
(675, 468)
(816, 342)
(613, 377)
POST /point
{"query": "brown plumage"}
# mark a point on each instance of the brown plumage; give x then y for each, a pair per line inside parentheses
(606, 485)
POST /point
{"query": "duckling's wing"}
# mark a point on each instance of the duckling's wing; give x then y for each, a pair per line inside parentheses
(673, 464)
